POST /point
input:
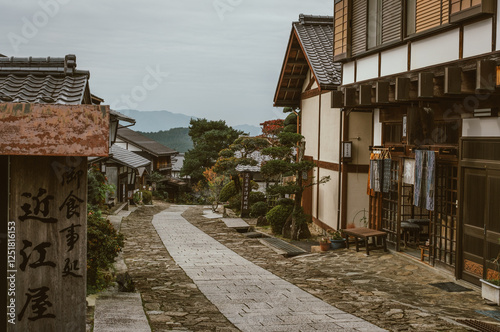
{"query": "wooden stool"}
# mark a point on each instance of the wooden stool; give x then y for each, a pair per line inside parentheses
(424, 252)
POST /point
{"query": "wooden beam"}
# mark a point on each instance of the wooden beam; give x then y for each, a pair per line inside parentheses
(337, 99)
(425, 85)
(290, 89)
(349, 97)
(402, 88)
(294, 77)
(365, 94)
(382, 92)
(486, 75)
(297, 62)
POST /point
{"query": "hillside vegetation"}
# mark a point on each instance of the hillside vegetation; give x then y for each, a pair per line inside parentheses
(175, 138)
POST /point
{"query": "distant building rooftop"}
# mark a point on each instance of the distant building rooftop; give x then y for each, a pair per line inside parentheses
(144, 142)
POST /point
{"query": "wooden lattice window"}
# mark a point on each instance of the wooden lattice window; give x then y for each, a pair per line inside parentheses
(422, 15)
(341, 20)
(390, 215)
(460, 9)
(444, 228)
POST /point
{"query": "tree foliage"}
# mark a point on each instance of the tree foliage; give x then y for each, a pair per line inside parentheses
(209, 138)
(287, 161)
(175, 138)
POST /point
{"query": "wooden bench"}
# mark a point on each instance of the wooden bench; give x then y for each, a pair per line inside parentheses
(364, 234)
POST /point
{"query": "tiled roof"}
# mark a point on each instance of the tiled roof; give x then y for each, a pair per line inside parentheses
(121, 117)
(144, 142)
(128, 158)
(310, 48)
(43, 80)
(316, 36)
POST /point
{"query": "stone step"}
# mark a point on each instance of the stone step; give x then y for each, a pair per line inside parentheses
(120, 312)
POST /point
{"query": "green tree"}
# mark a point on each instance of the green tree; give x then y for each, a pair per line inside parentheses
(287, 160)
(239, 153)
(209, 137)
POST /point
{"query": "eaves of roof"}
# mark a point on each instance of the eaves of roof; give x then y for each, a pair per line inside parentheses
(310, 48)
(145, 143)
(127, 158)
(43, 80)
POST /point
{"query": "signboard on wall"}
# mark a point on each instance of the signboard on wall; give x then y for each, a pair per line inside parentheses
(47, 244)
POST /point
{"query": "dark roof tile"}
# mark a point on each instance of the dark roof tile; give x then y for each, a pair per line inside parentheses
(144, 142)
(43, 80)
(128, 158)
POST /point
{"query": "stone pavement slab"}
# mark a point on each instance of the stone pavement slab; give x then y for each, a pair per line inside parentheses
(209, 214)
(120, 312)
(252, 298)
(236, 223)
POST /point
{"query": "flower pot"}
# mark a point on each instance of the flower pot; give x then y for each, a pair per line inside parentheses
(490, 291)
(324, 246)
(337, 244)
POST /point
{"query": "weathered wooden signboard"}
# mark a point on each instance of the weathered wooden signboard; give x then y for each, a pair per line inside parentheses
(46, 223)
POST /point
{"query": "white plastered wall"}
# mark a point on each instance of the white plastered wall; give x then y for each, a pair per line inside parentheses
(486, 127)
(330, 126)
(377, 128)
(435, 50)
(360, 133)
(314, 199)
(309, 125)
(477, 38)
(328, 198)
(357, 198)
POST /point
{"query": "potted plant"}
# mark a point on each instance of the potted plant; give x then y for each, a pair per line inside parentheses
(490, 288)
(324, 244)
(337, 241)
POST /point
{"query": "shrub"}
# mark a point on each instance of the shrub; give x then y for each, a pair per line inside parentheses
(98, 187)
(258, 209)
(235, 202)
(286, 201)
(228, 192)
(277, 217)
(103, 245)
(256, 196)
(147, 197)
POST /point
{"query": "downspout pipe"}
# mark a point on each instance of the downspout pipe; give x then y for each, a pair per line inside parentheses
(339, 192)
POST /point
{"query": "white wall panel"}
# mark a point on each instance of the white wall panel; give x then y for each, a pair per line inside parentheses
(310, 109)
(348, 73)
(498, 26)
(394, 61)
(435, 50)
(367, 68)
(377, 128)
(357, 199)
(477, 38)
(330, 126)
(486, 127)
(328, 202)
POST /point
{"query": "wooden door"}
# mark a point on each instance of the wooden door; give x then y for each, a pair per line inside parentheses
(481, 223)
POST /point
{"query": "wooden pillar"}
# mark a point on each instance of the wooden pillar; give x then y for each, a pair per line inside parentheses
(48, 217)
(382, 92)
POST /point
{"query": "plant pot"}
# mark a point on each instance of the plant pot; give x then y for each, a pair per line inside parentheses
(337, 244)
(490, 291)
(324, 246)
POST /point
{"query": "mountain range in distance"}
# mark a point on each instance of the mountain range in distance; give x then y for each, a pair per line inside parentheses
(155, 121)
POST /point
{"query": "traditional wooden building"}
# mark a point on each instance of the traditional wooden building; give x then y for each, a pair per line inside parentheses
(308, 81)
(159, 155)
(426, 71)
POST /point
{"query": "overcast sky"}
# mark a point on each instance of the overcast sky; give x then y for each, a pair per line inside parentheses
(218, 59)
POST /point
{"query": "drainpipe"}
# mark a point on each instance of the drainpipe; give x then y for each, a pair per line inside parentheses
(339, 192)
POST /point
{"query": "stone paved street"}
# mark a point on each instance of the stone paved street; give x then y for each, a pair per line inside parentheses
(252, 298)
(387, 290)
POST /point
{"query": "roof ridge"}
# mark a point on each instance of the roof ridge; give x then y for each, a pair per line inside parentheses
(315, 19)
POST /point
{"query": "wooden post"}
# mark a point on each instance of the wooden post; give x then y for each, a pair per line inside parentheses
(48, 220)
